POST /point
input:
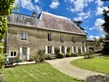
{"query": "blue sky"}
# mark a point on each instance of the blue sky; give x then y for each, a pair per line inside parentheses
(88, 11)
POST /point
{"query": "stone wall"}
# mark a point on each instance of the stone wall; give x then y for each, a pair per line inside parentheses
(38, 39)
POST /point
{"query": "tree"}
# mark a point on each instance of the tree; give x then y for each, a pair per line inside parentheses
(5, 10)
(6, 7)
(106, 29)
(78, 23)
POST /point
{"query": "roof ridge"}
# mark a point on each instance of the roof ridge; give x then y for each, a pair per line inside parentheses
(57, 16)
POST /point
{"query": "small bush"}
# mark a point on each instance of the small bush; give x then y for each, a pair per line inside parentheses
(60, 55)
(71, 54)
(74, 54)
(48, 57)
(68, 55)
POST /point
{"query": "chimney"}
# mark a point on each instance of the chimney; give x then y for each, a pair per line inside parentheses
(34, 14)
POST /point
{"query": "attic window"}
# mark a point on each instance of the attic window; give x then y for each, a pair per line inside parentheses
(61, 38)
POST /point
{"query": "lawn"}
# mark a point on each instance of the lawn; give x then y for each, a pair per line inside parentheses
(99, 64)
(42, 72)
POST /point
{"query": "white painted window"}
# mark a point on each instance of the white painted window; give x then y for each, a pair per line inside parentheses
(60, 50)
(49, 49)
(65, 50)
(28, 53)
(46, 50)
(24, 36)
(52, 49)
(74, 49)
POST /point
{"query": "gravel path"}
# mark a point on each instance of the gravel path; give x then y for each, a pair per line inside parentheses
(64, 66)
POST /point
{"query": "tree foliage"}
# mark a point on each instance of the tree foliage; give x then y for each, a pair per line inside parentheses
(6, 7)
(78, 23)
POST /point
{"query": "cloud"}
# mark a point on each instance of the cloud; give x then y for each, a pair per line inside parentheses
(78, 5)
(99, 10)
(36, 1)
(38, 9)
(82, 15)
(99, 2)
(91, 37)
(77, 19)
(54, 4)
(98, 26)
(28, 4)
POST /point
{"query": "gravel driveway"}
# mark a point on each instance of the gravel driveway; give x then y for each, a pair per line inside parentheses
(64, 66)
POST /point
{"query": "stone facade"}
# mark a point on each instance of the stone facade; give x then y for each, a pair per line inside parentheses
(37, 39)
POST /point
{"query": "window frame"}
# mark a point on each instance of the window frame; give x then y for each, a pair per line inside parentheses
(62, 38)
(13, 53)
(49, 48)
(24, 36)
(49, 37)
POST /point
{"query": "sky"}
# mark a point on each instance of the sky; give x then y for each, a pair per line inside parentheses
(88, 11)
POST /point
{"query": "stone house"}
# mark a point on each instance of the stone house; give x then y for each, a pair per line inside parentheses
(28, 34)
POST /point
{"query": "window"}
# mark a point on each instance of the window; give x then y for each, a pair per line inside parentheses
(73, 39)
(24, 36)
(74, 49)
(49, 49)
(61, 38)
(49, 37)
(13, 53)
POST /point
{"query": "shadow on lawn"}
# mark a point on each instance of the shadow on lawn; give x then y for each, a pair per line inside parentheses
(97, 78)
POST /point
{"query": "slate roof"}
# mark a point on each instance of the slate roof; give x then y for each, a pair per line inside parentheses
(59, 23)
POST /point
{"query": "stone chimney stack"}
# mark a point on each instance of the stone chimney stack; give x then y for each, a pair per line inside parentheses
(34, 14)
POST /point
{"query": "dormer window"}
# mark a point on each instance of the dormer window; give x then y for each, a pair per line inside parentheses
(61, 38)
(24, 36)
(49, 37)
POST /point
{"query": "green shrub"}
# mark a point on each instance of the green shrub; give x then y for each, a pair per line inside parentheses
(57, 51)
(68, 55)
(74, 54)
(60, 55)
(48, 57)
(71, 54)
(40, 56)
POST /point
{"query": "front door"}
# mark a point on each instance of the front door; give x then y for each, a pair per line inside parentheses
(24, 53)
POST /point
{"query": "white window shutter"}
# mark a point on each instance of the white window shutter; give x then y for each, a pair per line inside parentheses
(60, 49)
(20, 55)
(72, 50)
(81, 50)
(28, 53)
(65, 50)
(52, 49)
(76, 49)
(46, 50)
(84, 49)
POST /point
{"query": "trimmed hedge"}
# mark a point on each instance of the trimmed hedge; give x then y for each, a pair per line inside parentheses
(68, 55)
(60, 55)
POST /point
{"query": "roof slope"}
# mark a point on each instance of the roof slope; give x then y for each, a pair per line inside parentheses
(59, 23)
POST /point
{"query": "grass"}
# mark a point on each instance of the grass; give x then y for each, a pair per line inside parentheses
(99, 64)
(42, 72)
